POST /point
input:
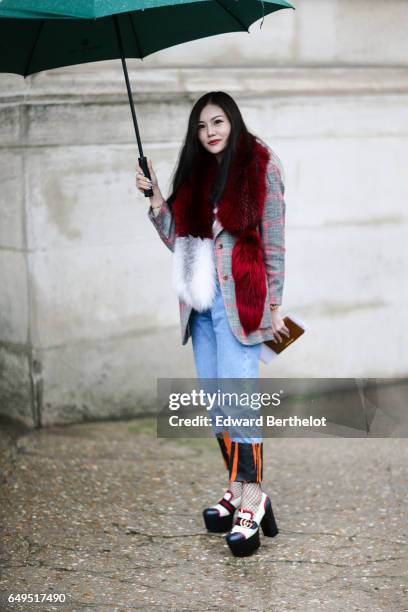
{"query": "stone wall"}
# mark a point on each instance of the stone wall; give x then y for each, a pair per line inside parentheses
(88, 316)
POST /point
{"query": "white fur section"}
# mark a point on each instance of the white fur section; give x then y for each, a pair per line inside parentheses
(179, 280)
(203, 280)
(194, 271)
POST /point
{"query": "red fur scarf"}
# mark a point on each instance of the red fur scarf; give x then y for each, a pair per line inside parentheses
(239, 212)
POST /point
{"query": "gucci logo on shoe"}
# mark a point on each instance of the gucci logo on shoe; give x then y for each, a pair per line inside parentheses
(246, 523)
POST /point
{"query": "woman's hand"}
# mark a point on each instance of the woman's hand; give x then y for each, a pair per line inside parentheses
(142, 182)
(278, 326)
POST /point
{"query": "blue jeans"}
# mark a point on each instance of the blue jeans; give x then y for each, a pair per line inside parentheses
(218, 354)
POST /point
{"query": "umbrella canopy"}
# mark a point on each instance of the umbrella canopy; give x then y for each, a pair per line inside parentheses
(38, 35)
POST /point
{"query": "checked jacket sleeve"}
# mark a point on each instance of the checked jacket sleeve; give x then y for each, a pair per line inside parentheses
(272, 231)
(164, 224)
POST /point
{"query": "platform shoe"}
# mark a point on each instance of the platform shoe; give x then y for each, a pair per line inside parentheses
(243, 539)
(219, 518)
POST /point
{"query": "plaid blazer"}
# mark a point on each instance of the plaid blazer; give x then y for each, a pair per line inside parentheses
(272, 231)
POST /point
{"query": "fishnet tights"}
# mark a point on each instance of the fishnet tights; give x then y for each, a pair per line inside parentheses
(251, 496)
(236, 488)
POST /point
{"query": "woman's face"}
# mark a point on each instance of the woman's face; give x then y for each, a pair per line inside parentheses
(214, 129)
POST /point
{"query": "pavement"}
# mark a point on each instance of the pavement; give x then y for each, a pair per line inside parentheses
(109, 515)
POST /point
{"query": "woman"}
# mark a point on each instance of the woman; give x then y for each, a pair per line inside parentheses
(224, 221)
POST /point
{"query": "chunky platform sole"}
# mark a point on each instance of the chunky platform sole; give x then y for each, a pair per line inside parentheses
(242, 547)
(217, 524)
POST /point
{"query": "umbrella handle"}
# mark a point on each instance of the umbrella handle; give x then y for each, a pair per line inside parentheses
(142, 159)
(143, 164)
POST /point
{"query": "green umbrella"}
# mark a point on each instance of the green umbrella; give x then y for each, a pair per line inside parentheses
(40, 35)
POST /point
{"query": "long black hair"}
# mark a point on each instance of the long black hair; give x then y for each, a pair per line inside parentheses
(192, 148)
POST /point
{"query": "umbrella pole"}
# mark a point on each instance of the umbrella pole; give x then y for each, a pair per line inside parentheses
(142, 159)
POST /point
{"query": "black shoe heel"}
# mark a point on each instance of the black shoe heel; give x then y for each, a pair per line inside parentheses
(268, 523)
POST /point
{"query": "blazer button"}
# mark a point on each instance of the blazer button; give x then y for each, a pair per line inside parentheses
(220, 246)
(225, 277)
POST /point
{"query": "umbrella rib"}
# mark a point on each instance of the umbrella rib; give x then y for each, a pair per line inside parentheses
(237, 19)
(139, 47)
(30, 59)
